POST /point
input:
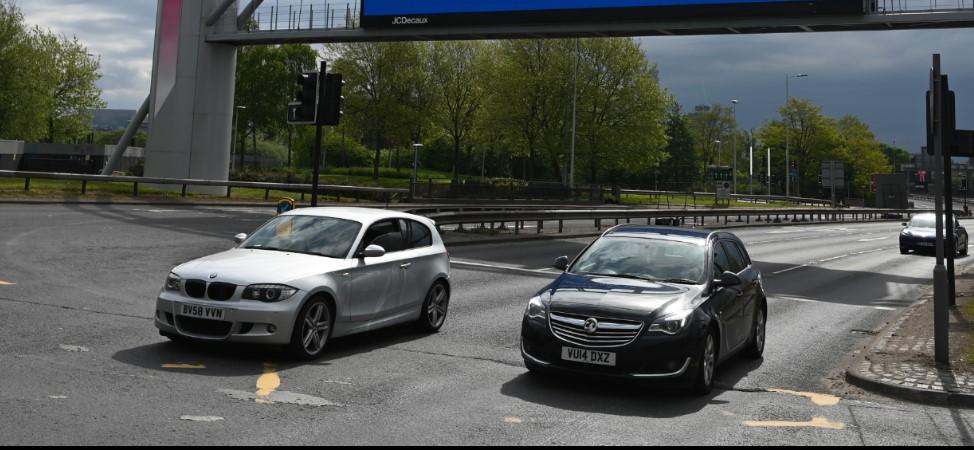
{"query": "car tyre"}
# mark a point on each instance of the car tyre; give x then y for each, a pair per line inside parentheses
(703, 380)
(312, 330)
(755, 350)
(435, 308)
(904, 251)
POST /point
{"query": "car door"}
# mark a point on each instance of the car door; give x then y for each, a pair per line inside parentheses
(419, 266)
(725, 301)
(747, 297)
(376, 282)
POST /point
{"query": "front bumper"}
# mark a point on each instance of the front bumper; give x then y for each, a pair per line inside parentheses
(244, 321)
(649, 357)
(918, 242)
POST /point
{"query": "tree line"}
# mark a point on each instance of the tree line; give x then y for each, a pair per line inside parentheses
(47, 82)
(517, 109)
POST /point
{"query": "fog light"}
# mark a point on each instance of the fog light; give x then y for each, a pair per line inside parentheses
(271, 329)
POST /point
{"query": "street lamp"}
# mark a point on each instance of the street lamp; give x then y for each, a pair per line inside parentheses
(734, 103)
(233, 140)
(412, 186)
(788, 135)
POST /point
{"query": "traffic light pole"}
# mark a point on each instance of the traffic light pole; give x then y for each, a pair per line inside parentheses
(941, 317)
(318, 135)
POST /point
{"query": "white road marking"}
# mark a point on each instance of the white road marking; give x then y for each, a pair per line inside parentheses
(201, 418)
(835, 258)
(462, 263)
(74, 348)
(873, 239)
(790, 269)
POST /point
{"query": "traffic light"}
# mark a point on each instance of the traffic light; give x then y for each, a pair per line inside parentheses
(331, 107)
(303, 109)
(794, 165)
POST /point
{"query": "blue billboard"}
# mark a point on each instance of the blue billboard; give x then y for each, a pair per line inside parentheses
(399, 13)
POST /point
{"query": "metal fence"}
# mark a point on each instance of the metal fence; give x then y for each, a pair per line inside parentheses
(500, 219)
(386, 195)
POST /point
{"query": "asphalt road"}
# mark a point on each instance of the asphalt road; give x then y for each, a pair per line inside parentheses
(81, 363)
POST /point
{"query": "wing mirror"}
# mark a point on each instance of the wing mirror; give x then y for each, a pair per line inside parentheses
(374, 251)
(561, 263)
(905, 225)
(240, 238)
(728, 279)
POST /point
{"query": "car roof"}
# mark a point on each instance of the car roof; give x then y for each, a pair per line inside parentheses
(657, 232)
(363, 215)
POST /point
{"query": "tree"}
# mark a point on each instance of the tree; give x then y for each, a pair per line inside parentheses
(680, 170)
(266, 77)
(378, 77)
(708, 125)
(861, 152)
(25, 77)
(458, 72)
(813, 139)
(74, 91)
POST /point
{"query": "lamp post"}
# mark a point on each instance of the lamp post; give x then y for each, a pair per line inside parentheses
(412, 186)
(734, 103)
(788, 134)
(718, 152)
(233, 141)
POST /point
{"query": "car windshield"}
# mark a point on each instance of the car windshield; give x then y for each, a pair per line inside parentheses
(925, 222)
(322, 236)
(649, 259)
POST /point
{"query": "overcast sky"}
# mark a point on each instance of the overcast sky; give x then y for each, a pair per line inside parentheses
(878, 76)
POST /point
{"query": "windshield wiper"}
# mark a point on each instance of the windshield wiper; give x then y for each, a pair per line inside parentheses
(679, 281)
(618, 275)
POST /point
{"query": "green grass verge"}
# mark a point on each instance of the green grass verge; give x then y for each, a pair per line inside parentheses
(968, 312)
(690, 201)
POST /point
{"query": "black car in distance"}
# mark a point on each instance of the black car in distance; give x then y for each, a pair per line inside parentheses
(920, 234)
(650, 303)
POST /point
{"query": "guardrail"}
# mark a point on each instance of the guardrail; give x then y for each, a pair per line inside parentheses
(756, 198)
(657, 217)
(386, 194)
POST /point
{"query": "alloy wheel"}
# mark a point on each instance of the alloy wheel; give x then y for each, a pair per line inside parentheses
(708, 361)
(437, 305)
(315, 328)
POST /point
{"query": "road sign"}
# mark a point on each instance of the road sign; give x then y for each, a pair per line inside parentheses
(723, 190)
(441, 13)
(828, 177)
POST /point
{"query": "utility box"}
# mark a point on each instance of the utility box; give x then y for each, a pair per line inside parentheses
(892, 191)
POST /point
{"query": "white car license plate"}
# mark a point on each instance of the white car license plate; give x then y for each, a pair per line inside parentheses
(588, 356)
(201, 312)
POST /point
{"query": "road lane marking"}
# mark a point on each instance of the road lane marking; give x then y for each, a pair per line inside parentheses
(834, 259)
(74, 348)
(201, 418)
(267, 384)
(790, 269)
(818, 399)
(873, 239)
(281, 397)
(513, 420)
(7, 283)
(183, 366)
(818, 422)
(477, 265)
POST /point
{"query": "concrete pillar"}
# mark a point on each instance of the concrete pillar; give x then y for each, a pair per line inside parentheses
(191, 101)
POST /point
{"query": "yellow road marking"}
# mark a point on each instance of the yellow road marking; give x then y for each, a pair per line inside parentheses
(267, 384)
(513, 420)
(184, 366)
(818, 399)
(7, 283)
(818, 422)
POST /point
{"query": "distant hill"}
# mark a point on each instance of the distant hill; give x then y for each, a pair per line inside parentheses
(112, 119)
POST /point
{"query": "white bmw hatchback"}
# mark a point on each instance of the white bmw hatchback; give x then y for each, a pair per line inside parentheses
(310, 275)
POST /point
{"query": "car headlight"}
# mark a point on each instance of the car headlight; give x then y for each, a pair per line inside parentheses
(906, 233)
(672, 324)
(537, 309)
(269, 293)
(174, 283)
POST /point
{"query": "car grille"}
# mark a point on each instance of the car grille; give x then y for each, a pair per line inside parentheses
(214, 291)
(196, 288)
(610, 333)
(203, 327)
(221, 291)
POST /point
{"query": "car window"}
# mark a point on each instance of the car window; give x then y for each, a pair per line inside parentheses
(386, 234)
(721, 264)
(747, 257)
(733, 257)
(419, 235)
(650, 259)
(323, 236)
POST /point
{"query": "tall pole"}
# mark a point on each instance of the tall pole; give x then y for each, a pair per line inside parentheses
(316, 172)
(412, 186)
(571, 164)
(941, 318)
(787, 140)
(734, 103)
(769, 171)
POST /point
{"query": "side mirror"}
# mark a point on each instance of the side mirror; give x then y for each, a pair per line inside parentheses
(240, 238)
(728, 279)
(561, 263)
(905, 225)
(374, 251)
